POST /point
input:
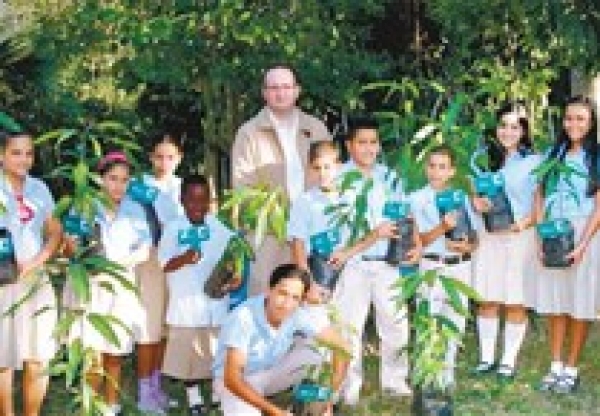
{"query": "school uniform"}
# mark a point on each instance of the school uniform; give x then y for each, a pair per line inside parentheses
(436, 256)
(574, 290)
(192, 317)
(125, 238)
(308, 217)
(150, 276)
(25, 336)
(272, 363)
(503, 269)
(364, 282)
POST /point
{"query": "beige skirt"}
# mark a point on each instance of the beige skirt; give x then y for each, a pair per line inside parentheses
(504, 266)
(152, 284)
(123, 305)
(190, 352)
(571, 291)
(23, 335)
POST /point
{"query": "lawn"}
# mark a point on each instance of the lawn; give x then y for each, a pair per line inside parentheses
(474, 395)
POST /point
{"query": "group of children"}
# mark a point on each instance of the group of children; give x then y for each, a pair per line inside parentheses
(173, 308)
(170, 275)
(504, 267)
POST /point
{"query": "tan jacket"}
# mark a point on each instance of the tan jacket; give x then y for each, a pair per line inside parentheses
(257, 155)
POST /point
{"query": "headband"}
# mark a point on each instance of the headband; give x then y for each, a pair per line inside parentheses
(113, 157)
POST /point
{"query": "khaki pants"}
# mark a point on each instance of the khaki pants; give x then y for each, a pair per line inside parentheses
(361, 284)
(281, 376)
(438, 300)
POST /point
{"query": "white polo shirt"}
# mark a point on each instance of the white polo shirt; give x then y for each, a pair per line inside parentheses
(125, 233)
(168, 202)
(387, 187)
(188, 305)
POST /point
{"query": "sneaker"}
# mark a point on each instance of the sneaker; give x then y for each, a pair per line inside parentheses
(351, 395)
(164, 401)
(549, 381)
(199, 410)
(506, 372)
(403, 390)
(483, 368)
(151, 408)
(113, 410)
(566, 384)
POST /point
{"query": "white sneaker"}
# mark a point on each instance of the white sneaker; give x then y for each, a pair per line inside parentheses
(351, 395)
(401, 390)
(113, 410)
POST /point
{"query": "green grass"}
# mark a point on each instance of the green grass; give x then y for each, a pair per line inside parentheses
(474, 396)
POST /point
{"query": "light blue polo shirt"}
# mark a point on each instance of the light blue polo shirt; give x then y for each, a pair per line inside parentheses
(308, 217)
(386, 187)
(520, 183)
(566, 205)
(246, 328)
(28, 236)
(168, 202)
(427, 216)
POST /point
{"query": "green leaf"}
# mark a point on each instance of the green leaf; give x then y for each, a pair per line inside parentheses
(63, 326)
(80, 282)
(9, 124)
(102, 324)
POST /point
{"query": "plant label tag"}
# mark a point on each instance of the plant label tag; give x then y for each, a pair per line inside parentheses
(489, 184)
(76, 226)
(7, 249)
(141, 192)
(193, 237)
(324, 242)
(309, 392)
(449, 200)
(394, 210)
(554, 228)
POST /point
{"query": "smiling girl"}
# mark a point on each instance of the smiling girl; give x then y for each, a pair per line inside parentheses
(502, 266)
(26, 340)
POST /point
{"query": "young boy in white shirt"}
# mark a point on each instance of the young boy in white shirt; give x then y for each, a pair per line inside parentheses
(450, 258)
(192, 317)
(367, 277)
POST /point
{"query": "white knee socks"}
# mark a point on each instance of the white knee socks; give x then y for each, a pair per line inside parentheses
(514, 334)
(488, 332)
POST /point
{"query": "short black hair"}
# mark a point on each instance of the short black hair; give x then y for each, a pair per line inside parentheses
(290, 271)
(194, 179)
(6, 136)
(163, 136)
(360, 123)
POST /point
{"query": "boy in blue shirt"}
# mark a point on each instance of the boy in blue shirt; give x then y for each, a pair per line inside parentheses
(449, 258)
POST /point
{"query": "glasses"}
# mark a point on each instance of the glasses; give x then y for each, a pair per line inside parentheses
(284, 87)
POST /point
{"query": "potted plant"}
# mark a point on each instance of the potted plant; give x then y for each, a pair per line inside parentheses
(432, 334)
(314, 394)
(254, 212)
(77, 150)
(557, 234)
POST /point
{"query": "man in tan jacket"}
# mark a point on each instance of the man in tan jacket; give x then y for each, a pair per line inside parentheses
(272, 148)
